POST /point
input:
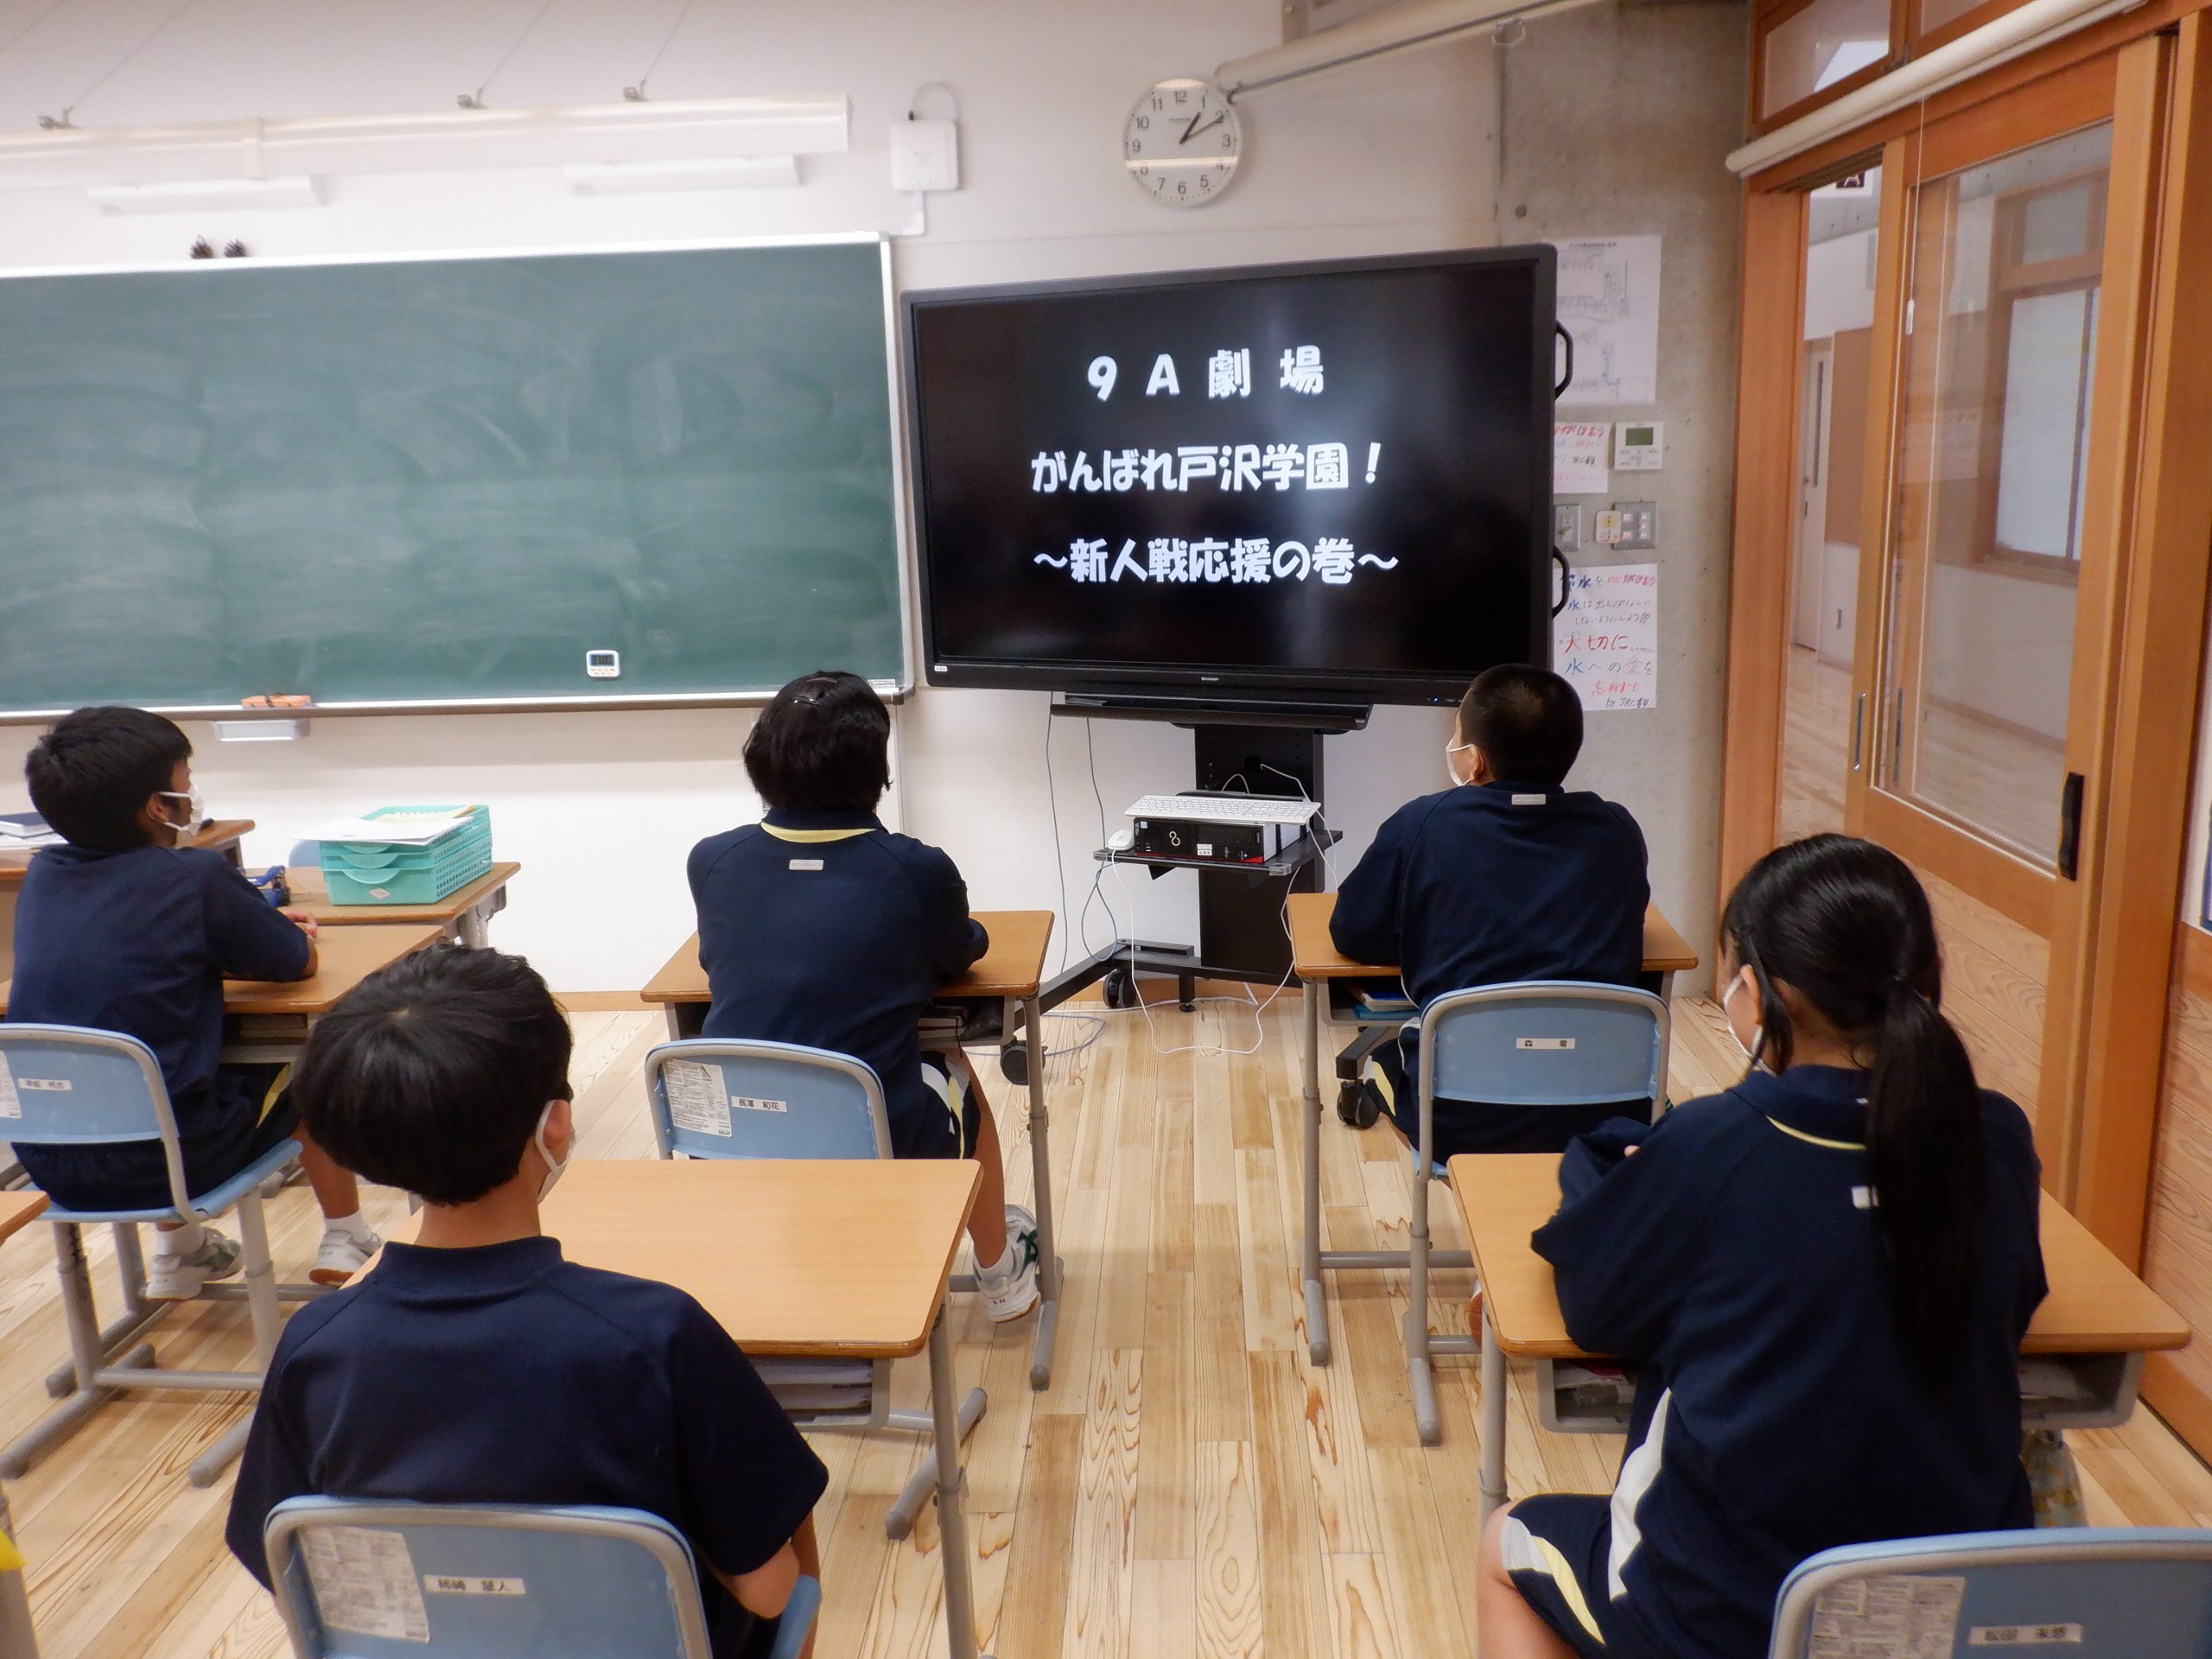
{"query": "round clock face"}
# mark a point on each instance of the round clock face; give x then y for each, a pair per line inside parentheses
(1182, 142)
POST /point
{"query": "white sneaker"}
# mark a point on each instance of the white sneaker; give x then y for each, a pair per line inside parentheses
(1012, 1293)
(342, 1255)
(174, 1278)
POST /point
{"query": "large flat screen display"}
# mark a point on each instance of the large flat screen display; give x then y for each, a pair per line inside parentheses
(1326, 479)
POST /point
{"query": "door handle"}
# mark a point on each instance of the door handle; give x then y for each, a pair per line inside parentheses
(2069, 827)
(1858, 731)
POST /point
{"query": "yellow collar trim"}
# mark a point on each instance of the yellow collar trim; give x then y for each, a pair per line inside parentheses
(1817, 1140)
(812, 836)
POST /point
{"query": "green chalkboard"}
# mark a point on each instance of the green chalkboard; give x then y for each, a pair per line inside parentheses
(425, 482)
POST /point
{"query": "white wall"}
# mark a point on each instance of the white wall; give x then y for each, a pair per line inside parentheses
(1396, 155)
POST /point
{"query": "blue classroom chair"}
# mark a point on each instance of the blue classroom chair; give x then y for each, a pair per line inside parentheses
(77, 1087)
(1535, 1042)
(805, 1102)
(2085, 1592)
(357, 1578)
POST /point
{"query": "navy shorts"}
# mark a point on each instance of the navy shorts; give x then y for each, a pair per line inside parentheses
(249, 1113)
(947, 1127)
(1464, 1126)
(1554, 1547)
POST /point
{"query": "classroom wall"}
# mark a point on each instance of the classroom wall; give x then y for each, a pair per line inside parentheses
(1390, 157)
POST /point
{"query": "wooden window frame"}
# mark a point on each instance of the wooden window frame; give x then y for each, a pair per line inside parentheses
(1770, 16)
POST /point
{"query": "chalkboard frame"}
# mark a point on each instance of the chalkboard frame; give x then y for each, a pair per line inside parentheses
(895, 691)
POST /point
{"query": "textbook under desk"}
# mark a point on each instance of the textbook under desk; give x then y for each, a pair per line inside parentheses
(1009, 974)
(835, 1260)
(217, 835)
(1321, 967)
(2095, 1325)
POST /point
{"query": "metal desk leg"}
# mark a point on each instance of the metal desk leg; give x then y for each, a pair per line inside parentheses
(1493, 1408)
(1050, 1270)
(16, 1638)
(1316, 1305)
(952, 1479)
(1667, 1048)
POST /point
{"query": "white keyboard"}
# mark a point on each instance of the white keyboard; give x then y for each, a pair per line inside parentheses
(1226, 809)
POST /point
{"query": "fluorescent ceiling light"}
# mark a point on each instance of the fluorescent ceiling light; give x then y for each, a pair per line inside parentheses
(196, 196)
(702, 173)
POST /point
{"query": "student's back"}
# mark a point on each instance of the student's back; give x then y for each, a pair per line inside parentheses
(1736, 1258)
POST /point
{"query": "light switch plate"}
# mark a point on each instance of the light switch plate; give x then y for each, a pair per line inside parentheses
(1638, 526)
(1566, 526)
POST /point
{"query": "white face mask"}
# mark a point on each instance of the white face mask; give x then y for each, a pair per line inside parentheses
(195, 808)
(1451, 766)
(1751, 1050)
(553, 1171)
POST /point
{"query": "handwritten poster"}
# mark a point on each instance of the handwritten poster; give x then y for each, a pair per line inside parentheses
(1606, 643)
(1609, 300)
(1578, 457)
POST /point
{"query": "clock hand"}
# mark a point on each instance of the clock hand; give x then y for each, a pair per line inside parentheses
(1209, 126)
(1187, 130)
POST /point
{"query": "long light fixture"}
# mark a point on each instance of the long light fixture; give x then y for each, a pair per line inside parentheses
(208, 195)
(699, 173)
(630, 132)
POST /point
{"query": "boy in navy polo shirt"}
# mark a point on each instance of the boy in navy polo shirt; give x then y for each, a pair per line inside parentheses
(1505, 876)
(124, 930)
(817, 925)
(475, 1365)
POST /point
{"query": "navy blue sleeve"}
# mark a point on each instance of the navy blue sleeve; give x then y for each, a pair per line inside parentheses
(1365, 924)
(954, 941)
(748, 1478)
(250, 938)
(1622, 1251)
(272, 1468)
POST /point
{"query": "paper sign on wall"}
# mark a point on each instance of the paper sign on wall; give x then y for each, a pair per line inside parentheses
(1895, 1616)
(364, 1581)
(1578, 457)
(698, 1099)
(1606, 643)
(1609, 300)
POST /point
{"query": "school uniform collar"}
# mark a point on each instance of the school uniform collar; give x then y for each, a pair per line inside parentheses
(1505, 788)
(418, 1273)
(1825, 1105)
(816, 821)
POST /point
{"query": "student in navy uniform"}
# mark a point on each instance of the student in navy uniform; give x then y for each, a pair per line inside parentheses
(1824, 1275)
(1506, 875)
(126, 929)
(819, 926)
(476, 1366)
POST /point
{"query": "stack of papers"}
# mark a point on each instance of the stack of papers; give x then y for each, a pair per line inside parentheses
(26, 829)
(402, 828)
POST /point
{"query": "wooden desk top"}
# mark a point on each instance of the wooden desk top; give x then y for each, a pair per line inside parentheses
(18, 1211)
(847, 1259)
(2095, 1306)
(311, 896)
(1314, 956)
(345, 957)
(217, 833)
(1013, 966)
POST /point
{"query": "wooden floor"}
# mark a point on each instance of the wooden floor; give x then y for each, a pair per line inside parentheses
(1188, 1486)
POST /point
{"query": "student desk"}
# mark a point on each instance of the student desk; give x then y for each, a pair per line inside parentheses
(464, 914)
(1010, 974)
(17, 1211)
(829, 1260)
(2095, 1327)
(218, 834)
(1319, 965)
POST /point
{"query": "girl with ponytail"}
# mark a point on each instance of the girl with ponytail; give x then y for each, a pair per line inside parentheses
(1822, 1276)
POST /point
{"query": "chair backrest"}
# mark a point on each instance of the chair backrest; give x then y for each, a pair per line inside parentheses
(1544, 1043)
(366, 1579)
(2085, 1592)
(72, 1086)
(714, 1097)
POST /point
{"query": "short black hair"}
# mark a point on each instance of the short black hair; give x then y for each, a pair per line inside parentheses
(822, 744)
(1527, 721)
(431, 1075)
(91, 774)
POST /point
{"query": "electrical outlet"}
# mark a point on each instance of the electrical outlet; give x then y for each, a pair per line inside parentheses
(1566, 526)
(1639, 525)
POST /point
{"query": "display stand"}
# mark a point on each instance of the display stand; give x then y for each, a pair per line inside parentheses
(1239, 747)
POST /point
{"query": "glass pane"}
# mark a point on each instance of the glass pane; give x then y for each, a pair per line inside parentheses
(1934, 14)
(1993, 444)
(1838, 338)
(1811, 50)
